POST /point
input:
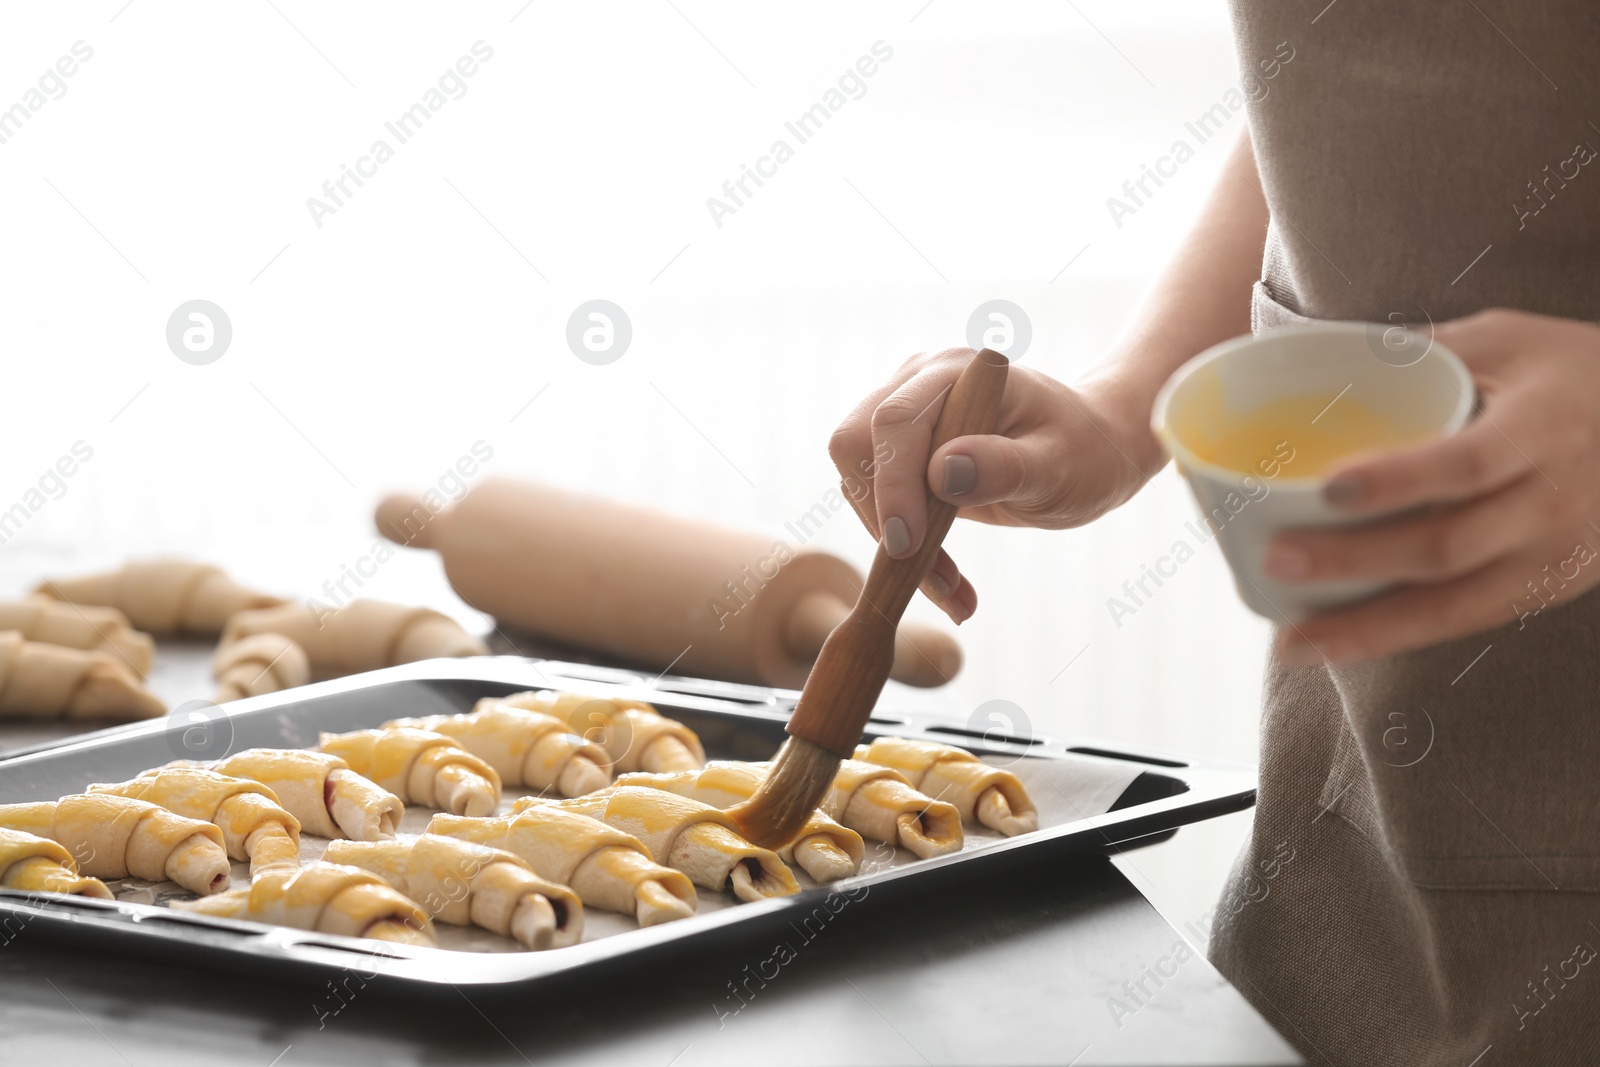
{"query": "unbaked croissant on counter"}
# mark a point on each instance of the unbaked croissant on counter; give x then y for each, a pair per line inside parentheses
(85, 626)
(686, 835)
(319, 789)
(364, 635)
(326, 898)
(879, 803)
(39, 680)
(420, 767)
(634, 734)
(254, 826)
(607, 868)
(162, 595)
(825, 849)
(527, 748)
(260, 663)
(982, 794)
(467, 884)
(35, 864)
(119, 837)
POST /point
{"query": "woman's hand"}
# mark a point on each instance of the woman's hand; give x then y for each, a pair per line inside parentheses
(1508, 518)
(1061, 457)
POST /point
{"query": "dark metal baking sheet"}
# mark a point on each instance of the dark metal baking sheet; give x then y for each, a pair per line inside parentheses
(733, 721)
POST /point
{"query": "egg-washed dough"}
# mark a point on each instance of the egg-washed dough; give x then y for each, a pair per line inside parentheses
(467, 884)
(420, 767)
(607, 868)
(879, 803)
(319, 789)
(634, 734)
(526, 748)
(34, 864)
(825, 849)
(255, 827)
(688, 836)
(327, 898)
(119, 837)
(989, 796)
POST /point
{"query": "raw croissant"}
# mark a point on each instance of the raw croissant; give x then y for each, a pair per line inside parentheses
(317, 788)
(634, 734)
(43, 681)
(364, 635)
(163, 595)
(825, 849)
(327, 898)
(260, 663)
(51, 622)
(420, 767)
(32, 863)
(254, 826)
(466, 884)
(981, 793)
(607, 868)
(527, 748)
(879, 803)
(686, 835)
(119, 837)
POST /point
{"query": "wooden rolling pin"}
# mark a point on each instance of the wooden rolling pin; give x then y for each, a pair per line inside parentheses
(650, 587)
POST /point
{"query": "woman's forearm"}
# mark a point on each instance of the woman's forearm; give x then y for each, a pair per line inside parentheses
(1201, 298)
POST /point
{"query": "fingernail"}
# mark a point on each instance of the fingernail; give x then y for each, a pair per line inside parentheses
(1343, 492)
(896, 536)
(937, 586)
(960, 475)
(1288, 562)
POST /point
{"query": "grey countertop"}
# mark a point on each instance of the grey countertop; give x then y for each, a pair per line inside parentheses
(1015, 970)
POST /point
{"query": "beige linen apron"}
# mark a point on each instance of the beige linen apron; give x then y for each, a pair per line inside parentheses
(1439, 810)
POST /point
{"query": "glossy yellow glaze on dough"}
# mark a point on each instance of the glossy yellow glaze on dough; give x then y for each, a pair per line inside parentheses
(462, 883)
(853, 774)
(526, 747)
(297, 776)
(553, 841)
(606, 867)
(626, 729)
(390, 758)
(826, 849)
(32, 863)
(237, 806)
(114, 837)
(325, 897)
(655, 817)
(954, 775)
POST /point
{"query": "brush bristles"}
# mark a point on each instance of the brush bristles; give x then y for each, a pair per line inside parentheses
(800, 777)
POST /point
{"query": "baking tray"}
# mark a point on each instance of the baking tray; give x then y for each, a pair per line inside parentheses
(733, 722)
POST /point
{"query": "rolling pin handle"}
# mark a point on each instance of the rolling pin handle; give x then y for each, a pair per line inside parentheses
(924, 656)
(810, 622)
(406, 520)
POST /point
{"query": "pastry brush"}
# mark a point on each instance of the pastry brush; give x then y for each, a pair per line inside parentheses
(849, 673)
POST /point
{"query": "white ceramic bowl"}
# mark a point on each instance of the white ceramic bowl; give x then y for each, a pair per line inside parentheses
(1404, 376)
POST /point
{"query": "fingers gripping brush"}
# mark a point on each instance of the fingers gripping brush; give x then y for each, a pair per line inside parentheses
(849, 673)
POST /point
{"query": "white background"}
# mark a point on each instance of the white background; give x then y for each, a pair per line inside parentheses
(370, 353)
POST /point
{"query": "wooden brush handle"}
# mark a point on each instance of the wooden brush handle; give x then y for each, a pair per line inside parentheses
(856, 658)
